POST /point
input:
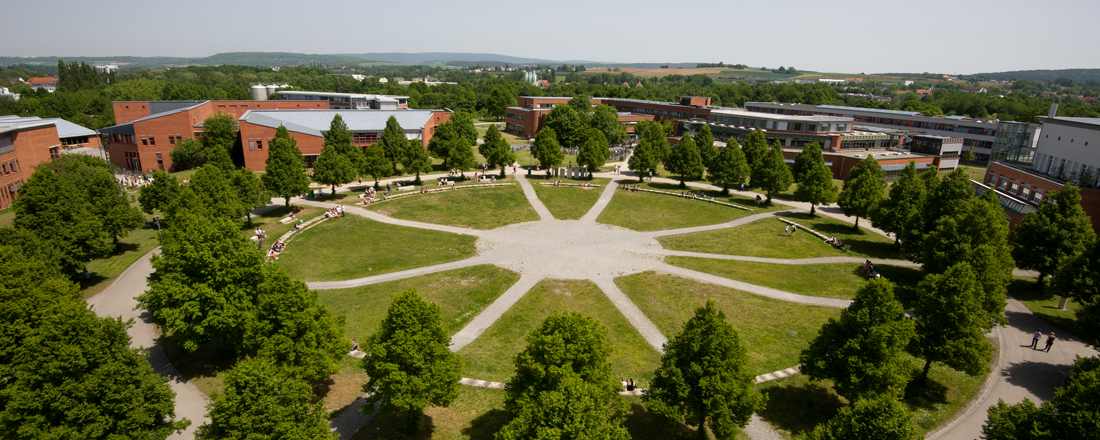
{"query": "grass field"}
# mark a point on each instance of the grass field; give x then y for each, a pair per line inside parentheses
(269, 220)
(351, 247)
(974, 172)
(479, 208)
(460, 295)
(774, 332)
(796, 404)
(104, 271)
(491, 356)
(569, 202)
(765, 238)
(829, 280)
(643, 211)
(1044, 303)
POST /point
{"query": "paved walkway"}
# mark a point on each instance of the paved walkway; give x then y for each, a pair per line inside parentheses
(605, 197)
(704, 228)
(633, 314)
(487, 317)
(753, 288)
(796, 261)
(119, 300)
(363, 212)
(1020, 372)
(394, 276)
(533, 199)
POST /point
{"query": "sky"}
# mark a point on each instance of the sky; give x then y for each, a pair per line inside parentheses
(852, 36)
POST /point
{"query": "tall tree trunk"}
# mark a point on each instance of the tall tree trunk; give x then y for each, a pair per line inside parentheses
(813, 211)
(725, 190)
(286, 201)
(503, 171)
(857, 223)
(927, 368)
(702, 431)
(334, 190)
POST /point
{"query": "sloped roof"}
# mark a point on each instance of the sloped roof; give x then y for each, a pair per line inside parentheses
(316, 122)
(65, 129)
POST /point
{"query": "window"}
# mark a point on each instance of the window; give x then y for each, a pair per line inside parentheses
(152, 140)
(144, 141)
(255, 144)
(54, 153)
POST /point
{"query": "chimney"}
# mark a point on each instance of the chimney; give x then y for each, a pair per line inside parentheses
(1053, 110)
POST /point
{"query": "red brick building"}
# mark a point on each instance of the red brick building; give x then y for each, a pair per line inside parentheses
(525, 119)
(27, 142)
(307, 127)
(147, 131)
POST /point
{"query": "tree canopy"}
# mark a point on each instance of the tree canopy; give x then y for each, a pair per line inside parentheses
(332, 168)
(1054, 234)
(157, 195)
(569, 125)
(772, 173)
(393, 144)
(1072, 413)
(546, 149)
(650, 149)
(728, 168)
(496, 150)
(864, 190)
(594, 152)
(814, 178)
(606, 119)
(685, 161)
(901, 212)
(704, 139)
(703, 378)
(951, 323)
(285, 172)
(878, 418)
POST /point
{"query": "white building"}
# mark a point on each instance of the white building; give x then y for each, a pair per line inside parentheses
(1068, 148)
(7, 94)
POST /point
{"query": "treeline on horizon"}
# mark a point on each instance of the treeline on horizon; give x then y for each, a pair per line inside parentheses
(84, 97)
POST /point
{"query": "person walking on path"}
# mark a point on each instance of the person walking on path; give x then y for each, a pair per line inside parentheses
(1050, 341)
(1035, 339)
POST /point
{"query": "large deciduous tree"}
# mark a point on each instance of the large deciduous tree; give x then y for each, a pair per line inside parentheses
(214, 188)
(773, 173)
(496, 150)
(1079, 279)
(704, 139)
(606, 120)
(262, 401)
(703, 378)
(332, 168)
(594, 152)
(75, 205)
(756, 150)
(728, 168)
(900, 214)
(815, 180)
(650, 150)
(393, 143)
(546, 149)
(863, 351)
(951, 323)
(219, 137)
(1072, 413)
(563, 387)
(878, 418)
(864, 190)
(285, 172)
(158, 194)
(685, 161)
(375, 164)
(415, 159)
(569, 125)
(1057, 232)
(408, 361)
(250, 191)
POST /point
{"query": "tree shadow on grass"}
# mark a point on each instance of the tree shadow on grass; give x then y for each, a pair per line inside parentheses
(485, 426)
(798, 408)
(643, 424)
(388, 425)
(925, 393)
(857, 240)
(205, 362)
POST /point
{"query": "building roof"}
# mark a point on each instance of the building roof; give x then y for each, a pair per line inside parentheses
(65, 129)
(185, 106)
(762, 115)
(316, 122)
(373, 97)
(42, 80)
(1073, 120)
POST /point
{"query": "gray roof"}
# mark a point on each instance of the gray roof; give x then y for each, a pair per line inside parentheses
(316, 122)
(65, 129)
(184, 106)
(373, 97)
(1088, 121)
(762, 115)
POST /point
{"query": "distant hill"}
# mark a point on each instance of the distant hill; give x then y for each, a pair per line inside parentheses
(1075, 75)
(287, 59)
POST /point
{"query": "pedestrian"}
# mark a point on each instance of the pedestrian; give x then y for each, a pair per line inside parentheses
(1035, 339)
(1050, 341)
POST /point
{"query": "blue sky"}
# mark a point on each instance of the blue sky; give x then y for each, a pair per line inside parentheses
(960, 36)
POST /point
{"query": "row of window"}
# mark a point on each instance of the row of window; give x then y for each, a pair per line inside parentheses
(74, 140)
(1071, 140)
(255, 144)
(1021, 191)
(9, 167)
(7, 194)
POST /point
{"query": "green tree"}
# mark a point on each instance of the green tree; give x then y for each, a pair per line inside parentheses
(606, 119)
(340, 138)
(863, 351)
(496, 150)
(202, 293)
(332, 168)
(250, 191)
(568, 124)
(650, 149)
(187, 154)
(214, 188)
(773, 172)
(582, 104)
(75, 205)
(394, 143)
(463, 123)
(879, 418)
(408, 361)
(703, 377)
(864, 190)
(728, 168)
(594, 152)
(814, 178)
(1079, 279)
(376, 165)
(1070, 414)
(901, 212)
(262, 401)
(293, 329)
(546, 149)
(951, 324)
(685, 161)
(157, 195)
(219, 137)
(704, 139)
(756, 151)
(563, 387)
(415, 159)
(1054, 234)
(285, 173)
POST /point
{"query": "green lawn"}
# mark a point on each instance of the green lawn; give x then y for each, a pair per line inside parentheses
(460, 295)
(491, 356)
(569, 202)
(765, 238)
(104, 271)
(796, 405)
(974, 172)
(480, 208)
(351, 247)
(269, 220)
(643, 211)
(1044, 303)
(774, 332)
(829, 280)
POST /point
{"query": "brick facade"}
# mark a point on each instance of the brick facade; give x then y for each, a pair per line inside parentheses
(1032, 187)
(21, 152)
